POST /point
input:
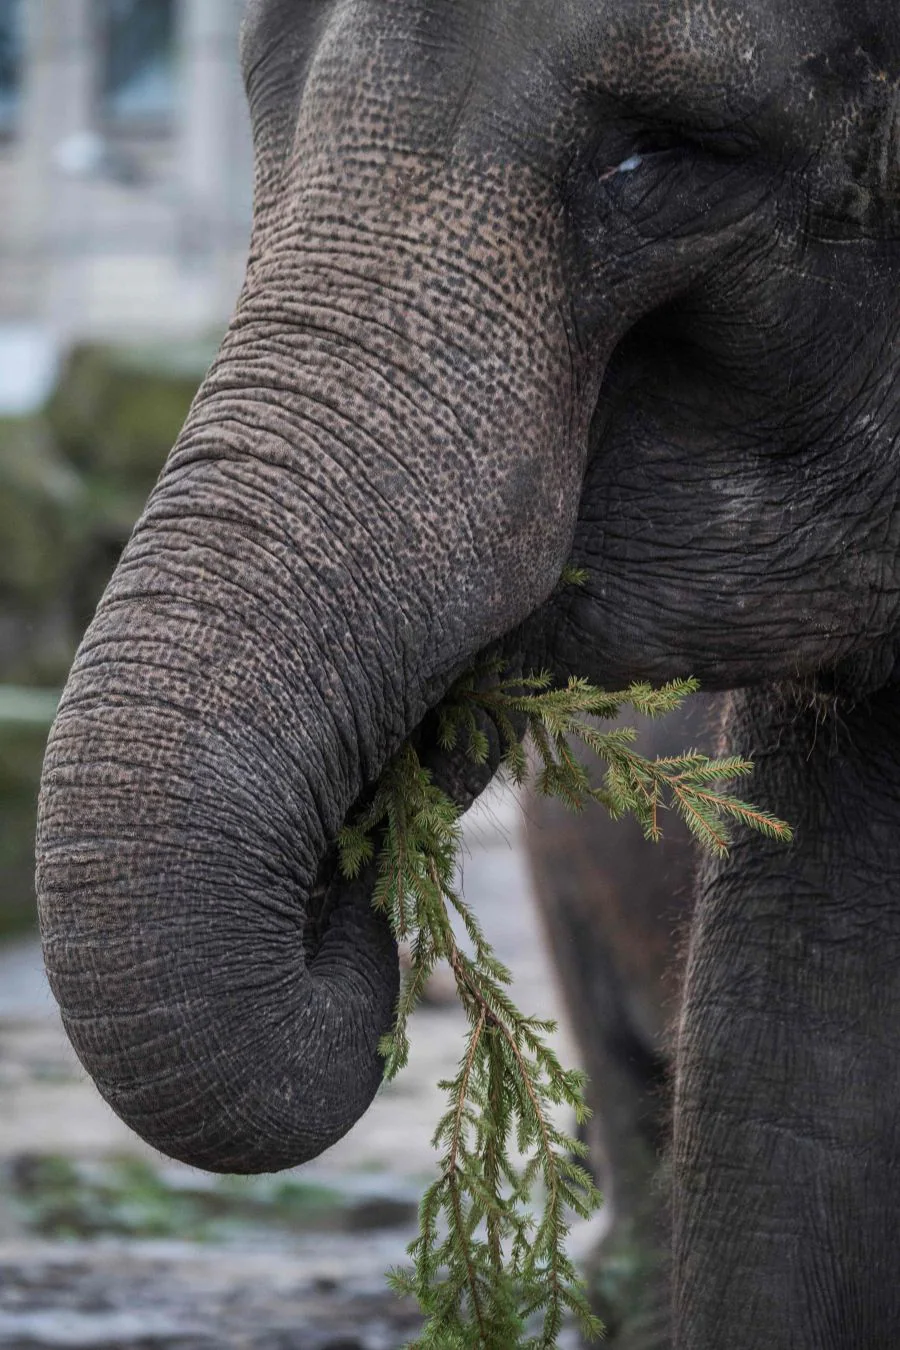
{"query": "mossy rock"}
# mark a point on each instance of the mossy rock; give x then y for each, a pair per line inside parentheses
(41, 497)
(73, 480)
(117, 413)
(62, 533)
(21, 755)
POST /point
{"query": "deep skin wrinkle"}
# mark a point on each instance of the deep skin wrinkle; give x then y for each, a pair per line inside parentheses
(612, 282)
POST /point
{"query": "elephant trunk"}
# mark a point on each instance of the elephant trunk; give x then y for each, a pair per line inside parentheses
(218, 724)
(379, 477)
(320, 558)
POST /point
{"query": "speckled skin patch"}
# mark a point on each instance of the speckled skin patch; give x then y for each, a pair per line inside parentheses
(469, 345)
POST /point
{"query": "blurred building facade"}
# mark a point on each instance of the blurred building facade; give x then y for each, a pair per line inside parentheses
(125, 167)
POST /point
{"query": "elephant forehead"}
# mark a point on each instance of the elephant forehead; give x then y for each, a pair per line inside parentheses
(727, 55)
(682, 51)
(816, 79)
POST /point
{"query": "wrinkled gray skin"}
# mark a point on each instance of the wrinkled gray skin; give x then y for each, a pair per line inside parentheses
(466, 349)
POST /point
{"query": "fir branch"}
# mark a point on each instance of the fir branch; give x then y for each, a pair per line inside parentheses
(573, 576)
(489, 1272)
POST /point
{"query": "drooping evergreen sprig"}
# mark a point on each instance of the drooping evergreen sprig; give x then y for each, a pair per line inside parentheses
(633, 785)
(489, 1269)
(483, 1265)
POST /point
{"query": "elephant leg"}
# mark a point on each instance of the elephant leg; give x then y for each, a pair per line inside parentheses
(611, 905)
(786, 1156)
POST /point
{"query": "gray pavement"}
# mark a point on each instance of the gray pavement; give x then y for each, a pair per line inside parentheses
(306, 1285)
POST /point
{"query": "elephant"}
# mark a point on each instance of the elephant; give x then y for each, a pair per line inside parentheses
(608, 281)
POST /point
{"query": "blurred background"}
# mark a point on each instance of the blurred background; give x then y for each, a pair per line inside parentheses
(125, 174)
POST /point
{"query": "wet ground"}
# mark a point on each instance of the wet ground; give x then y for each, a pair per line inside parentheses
(103, 1244)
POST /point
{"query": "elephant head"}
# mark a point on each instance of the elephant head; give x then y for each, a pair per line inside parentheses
(614, 281)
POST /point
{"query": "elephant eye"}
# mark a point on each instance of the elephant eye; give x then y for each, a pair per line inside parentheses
(628, 165)
(660, 140)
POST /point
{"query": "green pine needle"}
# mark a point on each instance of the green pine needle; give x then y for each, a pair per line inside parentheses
(489, 1269)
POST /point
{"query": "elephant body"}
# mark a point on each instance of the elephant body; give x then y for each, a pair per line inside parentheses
(604, 281)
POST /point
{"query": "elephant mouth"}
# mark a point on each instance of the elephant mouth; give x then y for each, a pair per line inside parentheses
(454, 771)
(461, 777)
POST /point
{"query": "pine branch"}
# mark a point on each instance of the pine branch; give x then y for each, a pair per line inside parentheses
(489, 1271)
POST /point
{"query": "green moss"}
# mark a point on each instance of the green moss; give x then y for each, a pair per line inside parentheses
(73, 480)
(21, 753)
(131, 1198)
(40, 503)
(117, 417)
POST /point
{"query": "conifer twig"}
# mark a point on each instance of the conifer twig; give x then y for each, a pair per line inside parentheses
(488, 1271)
